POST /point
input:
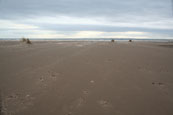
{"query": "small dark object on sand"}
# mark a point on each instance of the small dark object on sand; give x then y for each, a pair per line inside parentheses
(112, 40)
(161, 84)
(23, 39)
(158, 83)
(28, 41)
(130, 40)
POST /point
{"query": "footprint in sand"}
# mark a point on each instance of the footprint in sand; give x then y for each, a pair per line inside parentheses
(54, 75)
(92, 81)
(109, 60)
(41, 79)
(69, 113)
(158, 83)
(17, 102)
(13, 96)
(79, 45)
(19, 96)
(104, 104)
(78, 103)
(144, 69)
(161, 86)
(3, 109)
(85, 92)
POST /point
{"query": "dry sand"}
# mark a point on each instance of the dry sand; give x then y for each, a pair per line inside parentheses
(86, 78)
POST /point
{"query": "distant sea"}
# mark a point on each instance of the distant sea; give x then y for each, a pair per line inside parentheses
(89, 39)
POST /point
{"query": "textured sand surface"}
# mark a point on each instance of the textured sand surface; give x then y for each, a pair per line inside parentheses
(86, 78)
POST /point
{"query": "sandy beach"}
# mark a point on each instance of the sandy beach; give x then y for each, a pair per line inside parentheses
(86, 78)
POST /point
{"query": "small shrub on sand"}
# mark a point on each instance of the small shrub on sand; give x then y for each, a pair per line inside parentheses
(23, 39)
(112, 40)
(130, 40)
(28, 41)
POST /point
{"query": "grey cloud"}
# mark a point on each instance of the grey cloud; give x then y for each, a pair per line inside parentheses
(103, 28)
(111, 8)
(132, 11)
(65, 29)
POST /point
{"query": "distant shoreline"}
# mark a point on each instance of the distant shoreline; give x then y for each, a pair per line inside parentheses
(88, 39)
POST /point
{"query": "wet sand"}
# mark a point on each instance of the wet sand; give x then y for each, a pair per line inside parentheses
(86, 78)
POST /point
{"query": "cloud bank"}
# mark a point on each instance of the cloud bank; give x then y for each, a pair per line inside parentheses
(86, 19)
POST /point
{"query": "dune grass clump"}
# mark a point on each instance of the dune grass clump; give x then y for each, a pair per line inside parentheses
(23, 39)
(28, 41)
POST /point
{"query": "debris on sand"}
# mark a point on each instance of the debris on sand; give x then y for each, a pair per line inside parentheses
(26, 40)
(112, 40)
(104, 104)
(157, 83)
(130, 40)
(23, 39)
(85, 92)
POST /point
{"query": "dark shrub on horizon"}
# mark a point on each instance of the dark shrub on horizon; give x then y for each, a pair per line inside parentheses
(23, 39)
(130, 40)
(28, 41)
(112, 40)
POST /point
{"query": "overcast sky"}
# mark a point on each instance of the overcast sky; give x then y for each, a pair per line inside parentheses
(86, 19)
